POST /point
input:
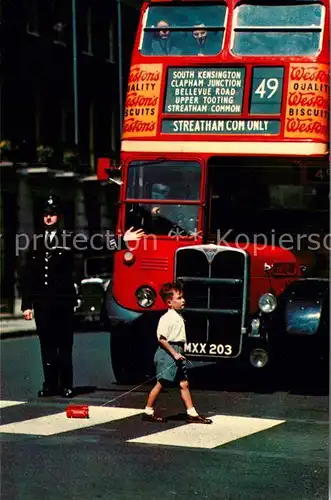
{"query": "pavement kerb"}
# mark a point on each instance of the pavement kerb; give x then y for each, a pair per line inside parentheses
(16, 327)
(10, 317)
(16, 335)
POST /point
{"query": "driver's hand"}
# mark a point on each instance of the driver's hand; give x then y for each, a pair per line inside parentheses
(131, 235)
(28, 314)
(155, 211)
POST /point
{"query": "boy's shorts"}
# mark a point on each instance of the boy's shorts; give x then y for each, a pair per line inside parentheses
(170, 372)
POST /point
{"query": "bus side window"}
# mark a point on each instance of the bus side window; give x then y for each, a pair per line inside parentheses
(300, 33)
(147, 42)
(188, 37)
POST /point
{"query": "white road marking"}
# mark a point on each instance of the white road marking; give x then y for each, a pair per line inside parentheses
(223, 430)
(59, 423)
(5, 404)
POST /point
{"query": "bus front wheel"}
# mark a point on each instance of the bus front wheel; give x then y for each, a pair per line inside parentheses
(128, 357)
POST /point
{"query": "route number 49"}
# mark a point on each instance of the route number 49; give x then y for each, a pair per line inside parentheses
(322, 174)
(268, 85)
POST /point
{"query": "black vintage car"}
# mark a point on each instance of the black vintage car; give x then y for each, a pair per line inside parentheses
(97, 273)
(298, 328)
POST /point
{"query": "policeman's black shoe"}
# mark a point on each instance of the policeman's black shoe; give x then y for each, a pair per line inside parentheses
(67, 393)
(47, 392)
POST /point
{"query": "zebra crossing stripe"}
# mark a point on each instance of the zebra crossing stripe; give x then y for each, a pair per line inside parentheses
(6, 404)
(58, 423)
(224, 429)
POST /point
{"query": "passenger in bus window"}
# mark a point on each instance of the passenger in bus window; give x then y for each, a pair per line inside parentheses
(204, 43)
(162, 43)
(200, 37)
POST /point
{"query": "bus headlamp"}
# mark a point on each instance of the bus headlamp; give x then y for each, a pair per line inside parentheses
(258, 358)
(129, 258)
(145, 296)
(267, 302)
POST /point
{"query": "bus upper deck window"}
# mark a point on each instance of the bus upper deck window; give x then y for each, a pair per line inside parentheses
(278, 30)
(184, 31)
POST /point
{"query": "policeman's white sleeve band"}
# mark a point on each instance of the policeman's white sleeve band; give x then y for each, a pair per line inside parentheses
(112, 245)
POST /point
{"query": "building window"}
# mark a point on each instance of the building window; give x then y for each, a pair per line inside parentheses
(111, 41)
(91, 134)
(84, 28)
(100, 33)
(89, 31)
(61, 21)
(60, 36)
(32, 24)
(64, 117)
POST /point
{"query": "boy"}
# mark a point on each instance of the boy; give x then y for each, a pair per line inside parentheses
(170, 362)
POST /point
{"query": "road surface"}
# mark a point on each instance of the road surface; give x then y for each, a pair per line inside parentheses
(270, 444)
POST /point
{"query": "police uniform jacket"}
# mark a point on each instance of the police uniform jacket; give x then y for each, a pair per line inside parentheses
(49, 273)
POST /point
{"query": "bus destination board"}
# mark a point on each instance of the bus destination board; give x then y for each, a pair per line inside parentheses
(217, 126)
(205, 91)
(267, 89)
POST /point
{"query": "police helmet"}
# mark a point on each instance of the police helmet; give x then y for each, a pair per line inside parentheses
(51, 206)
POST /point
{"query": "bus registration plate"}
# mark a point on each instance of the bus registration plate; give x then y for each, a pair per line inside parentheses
(203, 348)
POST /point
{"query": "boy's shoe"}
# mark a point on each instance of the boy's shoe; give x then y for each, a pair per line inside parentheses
(199, 419)
(153, 418)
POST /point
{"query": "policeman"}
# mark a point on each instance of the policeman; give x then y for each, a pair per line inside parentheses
(48, 290)
(49, 293)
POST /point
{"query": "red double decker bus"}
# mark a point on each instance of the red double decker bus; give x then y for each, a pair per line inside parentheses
(225, 167)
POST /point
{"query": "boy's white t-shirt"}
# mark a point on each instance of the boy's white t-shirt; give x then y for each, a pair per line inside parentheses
(172, 327)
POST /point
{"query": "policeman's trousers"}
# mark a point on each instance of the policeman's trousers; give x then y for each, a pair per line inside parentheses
(55, 324)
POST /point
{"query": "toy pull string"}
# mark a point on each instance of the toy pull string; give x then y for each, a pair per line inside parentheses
(137, 386)
(140, 385)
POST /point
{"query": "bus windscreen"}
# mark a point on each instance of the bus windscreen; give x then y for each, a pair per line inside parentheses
(164, 182)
